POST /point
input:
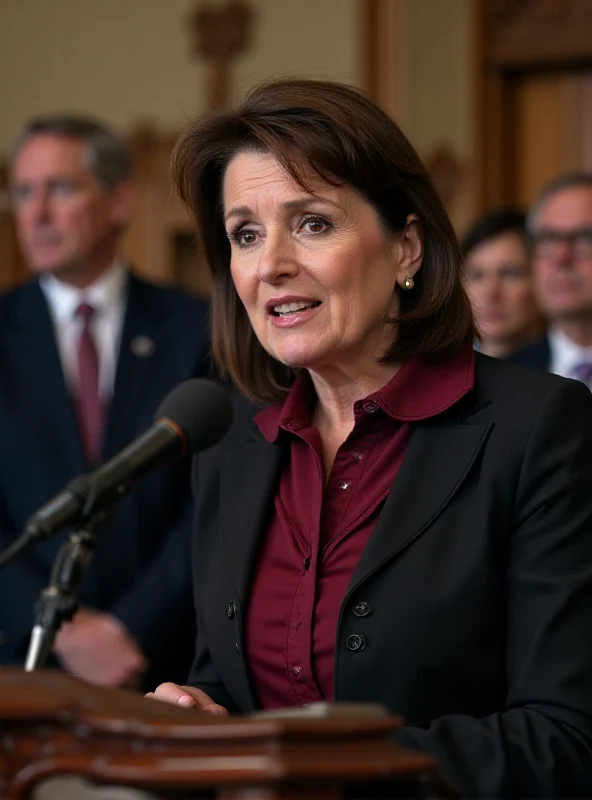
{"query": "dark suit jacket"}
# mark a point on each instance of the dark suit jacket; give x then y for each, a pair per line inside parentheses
(139, 571)
(478, 574)
(536, 355)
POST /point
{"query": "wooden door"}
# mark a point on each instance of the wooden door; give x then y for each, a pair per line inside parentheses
(550, 129)
(533, 96)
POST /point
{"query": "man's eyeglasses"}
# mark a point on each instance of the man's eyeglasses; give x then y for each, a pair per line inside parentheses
(547, 241)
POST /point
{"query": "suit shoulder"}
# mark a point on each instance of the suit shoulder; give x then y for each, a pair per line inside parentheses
(177, 300)
(537, 354)
(520, 386)
(11, 301)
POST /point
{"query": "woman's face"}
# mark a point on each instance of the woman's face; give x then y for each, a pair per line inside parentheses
(316, 273)
(500, 287)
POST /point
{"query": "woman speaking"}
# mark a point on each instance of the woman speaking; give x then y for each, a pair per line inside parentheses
(405, 521)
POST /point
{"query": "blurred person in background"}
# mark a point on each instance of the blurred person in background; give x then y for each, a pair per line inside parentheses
(560, 227)
(499, 283)
(87, 352)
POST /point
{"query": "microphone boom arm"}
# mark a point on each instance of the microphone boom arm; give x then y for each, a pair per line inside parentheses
(58, 602)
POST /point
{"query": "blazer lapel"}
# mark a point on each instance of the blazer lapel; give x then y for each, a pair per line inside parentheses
(139, 353)
(247, 499)
(437, 461)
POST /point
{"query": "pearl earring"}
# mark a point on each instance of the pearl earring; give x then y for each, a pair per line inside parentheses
(408, 283)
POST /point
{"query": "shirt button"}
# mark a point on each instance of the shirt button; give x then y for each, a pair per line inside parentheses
(296, 671)
(344, 485)
(362, 609)
(355, 643)
(231, 610)
(370, 407)
(357, 456)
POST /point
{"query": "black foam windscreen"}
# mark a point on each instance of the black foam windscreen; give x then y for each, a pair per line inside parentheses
(201, 408)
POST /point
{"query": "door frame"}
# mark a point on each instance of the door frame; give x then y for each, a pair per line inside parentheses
(513, 38)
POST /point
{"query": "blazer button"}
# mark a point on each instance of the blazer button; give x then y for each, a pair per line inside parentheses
(237, 648)
(231, 610)
(362, 609)
(355, 642)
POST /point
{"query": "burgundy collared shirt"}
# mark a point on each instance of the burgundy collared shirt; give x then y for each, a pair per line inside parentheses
(318, 530)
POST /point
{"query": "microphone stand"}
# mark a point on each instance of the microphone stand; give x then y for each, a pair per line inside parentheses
(58, 602)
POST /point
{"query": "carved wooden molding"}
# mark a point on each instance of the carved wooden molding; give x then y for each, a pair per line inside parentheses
(448, 172)
(4, 193)
(220, 33)
(53, 724)
(380, 26)
(522, 33)
(12, 265)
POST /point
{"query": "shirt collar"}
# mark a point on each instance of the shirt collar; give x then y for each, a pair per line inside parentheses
(566, 354)
(105, 293)
(420, 390)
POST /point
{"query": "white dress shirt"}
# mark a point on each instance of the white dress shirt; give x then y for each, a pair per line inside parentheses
(566, 354)
(107, 296)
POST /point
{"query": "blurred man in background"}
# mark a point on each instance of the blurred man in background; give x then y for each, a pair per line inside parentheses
(560, 226)
(499, 283)
(87, 352)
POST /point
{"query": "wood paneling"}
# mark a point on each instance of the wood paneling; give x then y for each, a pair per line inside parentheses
(532, 105)
(12, 266)
(545, 141)
(381, 29)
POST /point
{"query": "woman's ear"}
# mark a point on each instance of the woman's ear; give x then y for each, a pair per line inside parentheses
(410, 242)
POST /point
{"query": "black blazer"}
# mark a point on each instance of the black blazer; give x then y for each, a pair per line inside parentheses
(139, 570)
(478, 575)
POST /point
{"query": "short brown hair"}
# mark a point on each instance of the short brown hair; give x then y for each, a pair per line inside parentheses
(346, 139)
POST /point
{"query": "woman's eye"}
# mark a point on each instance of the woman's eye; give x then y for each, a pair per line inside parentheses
(243, 237)
(316, 224)
(246, 237)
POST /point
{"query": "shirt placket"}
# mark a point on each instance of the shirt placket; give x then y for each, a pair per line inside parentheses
(300, 634)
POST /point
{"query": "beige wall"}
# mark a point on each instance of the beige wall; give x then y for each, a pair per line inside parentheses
(435, 102)
(436, 91)
(423, 56)
(129, 60)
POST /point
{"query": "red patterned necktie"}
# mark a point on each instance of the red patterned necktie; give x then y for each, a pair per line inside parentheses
(90, 413)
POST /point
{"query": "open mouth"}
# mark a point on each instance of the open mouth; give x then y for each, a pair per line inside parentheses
(285, 309)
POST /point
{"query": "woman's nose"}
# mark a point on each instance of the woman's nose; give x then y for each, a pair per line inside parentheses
(277, 259)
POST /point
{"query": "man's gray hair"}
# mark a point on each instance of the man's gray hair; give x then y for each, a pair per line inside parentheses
(108, 157)
(569, 180)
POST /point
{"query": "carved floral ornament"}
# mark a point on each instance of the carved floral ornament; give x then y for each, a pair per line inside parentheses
(448, 172)
(221, 31)
(219, 34)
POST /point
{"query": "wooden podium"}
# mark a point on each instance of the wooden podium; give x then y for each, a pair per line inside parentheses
(52, 724)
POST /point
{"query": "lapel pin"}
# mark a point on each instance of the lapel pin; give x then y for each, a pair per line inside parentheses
(142, 346)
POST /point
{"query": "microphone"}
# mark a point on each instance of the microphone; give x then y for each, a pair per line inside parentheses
(192, 417)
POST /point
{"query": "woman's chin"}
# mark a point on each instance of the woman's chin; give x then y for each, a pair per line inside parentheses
(295, 359)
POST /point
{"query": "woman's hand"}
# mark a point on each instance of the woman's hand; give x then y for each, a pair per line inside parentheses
(187, 697)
